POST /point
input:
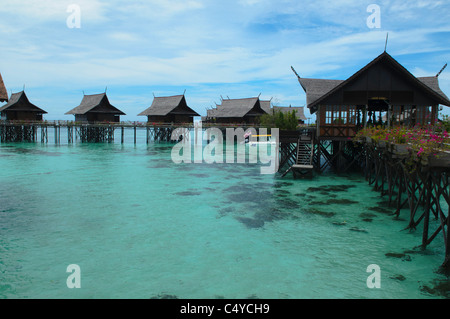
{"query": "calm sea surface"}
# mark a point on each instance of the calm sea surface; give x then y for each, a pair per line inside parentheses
(140, 226)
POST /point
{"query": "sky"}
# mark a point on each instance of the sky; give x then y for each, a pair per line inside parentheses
(208, 49)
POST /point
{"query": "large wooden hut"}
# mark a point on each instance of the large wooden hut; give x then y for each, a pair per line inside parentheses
(169, 109)
(246, 110)
(19, 108)
(96, 108)
(3, 93)
(381, 93)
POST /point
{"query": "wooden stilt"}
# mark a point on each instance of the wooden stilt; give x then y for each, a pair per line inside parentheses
(424, 186)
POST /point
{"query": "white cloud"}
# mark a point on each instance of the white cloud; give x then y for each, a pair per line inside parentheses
(124, 36)
(250, 2)
(157, 9)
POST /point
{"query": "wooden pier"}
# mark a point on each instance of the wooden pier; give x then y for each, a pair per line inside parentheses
(23, 131)
(85, 133)
(422, 188)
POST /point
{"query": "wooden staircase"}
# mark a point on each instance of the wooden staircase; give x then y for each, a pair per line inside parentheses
(304, 160)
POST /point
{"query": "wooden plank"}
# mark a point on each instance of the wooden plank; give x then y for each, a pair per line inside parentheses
(296, 166)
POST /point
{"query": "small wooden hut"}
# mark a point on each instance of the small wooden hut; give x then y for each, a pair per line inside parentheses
(246, 110)
(3, 93)
(381, 93)
(169, 109)
(96, 108)
(19, 108)
(299, 112)
(266, 105)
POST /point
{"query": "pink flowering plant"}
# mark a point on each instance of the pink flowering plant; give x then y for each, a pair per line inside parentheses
(428, 141)
(422, 141)
(397, 135)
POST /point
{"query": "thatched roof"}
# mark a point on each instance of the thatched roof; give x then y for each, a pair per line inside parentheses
(19, 102)
(237, 108)
(162, 106)
(318, 90)
(95, 103)
(266, 105)
(3, 93)
(211, 113)
(299, 111)
(433, 83)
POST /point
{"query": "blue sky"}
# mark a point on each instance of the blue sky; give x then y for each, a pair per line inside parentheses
(210, 48)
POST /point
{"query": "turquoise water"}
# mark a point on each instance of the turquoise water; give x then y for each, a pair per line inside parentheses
(140, 226)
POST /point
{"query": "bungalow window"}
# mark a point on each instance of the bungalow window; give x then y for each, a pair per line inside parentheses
(423, 115)
(340, 115)
(352, 115)
(343, 116)
(329, 115)
(336, 115)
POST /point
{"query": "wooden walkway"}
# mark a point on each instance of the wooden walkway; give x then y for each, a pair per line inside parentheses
(96, 132)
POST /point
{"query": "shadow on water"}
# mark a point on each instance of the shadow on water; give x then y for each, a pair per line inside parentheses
(32, 151)
(439, 288)
(268, 202)
(188, 193)
(259, 203)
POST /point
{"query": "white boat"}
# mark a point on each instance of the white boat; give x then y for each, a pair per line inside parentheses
(254, 140)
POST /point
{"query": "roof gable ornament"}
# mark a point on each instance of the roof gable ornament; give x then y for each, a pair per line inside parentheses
(385, 45)
(443, 68)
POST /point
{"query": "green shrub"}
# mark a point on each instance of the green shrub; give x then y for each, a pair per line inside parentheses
(283, 121)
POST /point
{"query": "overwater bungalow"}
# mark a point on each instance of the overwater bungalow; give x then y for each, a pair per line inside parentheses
(3, 93)
(169, 109)
(19, 108)
(381, 93)
(96, 108)
(246, 110)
